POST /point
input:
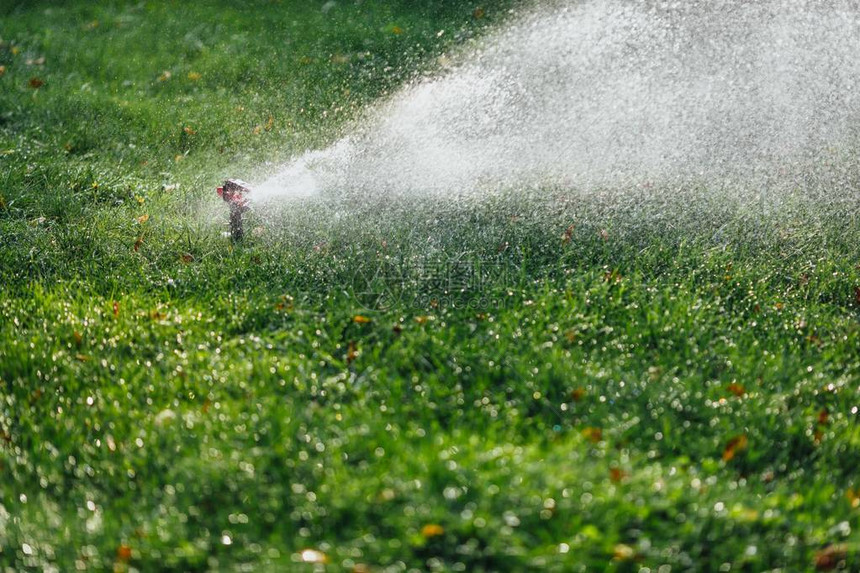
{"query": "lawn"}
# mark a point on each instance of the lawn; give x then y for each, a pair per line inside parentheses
(533, 379)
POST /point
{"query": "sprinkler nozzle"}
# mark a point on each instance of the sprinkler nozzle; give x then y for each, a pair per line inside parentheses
(234, 192)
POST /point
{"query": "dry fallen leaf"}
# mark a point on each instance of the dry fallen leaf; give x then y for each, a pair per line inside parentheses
(123, 553)
(35, 83)
(568, 234)
(2, 70)
(143, 219)
(593, 435)
(616, 474)
(432, 530)
(359, 319)
(829, 558)
(735, 445)
(853, 497)
(736, 389)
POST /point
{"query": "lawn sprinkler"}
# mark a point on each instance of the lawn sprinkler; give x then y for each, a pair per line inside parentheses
(234, 193)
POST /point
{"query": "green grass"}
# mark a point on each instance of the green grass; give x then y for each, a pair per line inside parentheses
(635, 380)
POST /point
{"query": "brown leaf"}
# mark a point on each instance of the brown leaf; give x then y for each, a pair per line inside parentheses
(736, 389)
(617, 474)
(823, 416)
(143, 219)
(35, 83)
(2, 70)
(187, 258)
(857, 294)
(359, 319)
(138, 243)
(313, 556)
(853, 497)
(432, 530)
(735, 445)
(352, 353)
(478, 13)
(577, 394)
(593, 435)
(115, 309)
(829, 558)
(123, 553)
(567, 236)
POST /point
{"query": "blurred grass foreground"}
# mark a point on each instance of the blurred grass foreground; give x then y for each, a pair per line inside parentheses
(536, 379)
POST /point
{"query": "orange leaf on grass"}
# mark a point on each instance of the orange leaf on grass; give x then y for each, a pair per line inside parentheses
(123, 553)
(359, 319)
(594, 435)
(829, 558)
(432, 530)
(735, 445)
(736, 389)
(853, 497)
(617, 474)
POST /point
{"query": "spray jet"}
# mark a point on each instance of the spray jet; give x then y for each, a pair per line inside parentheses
(234, 192)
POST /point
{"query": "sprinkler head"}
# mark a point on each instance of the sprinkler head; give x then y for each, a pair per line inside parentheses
(234, 192)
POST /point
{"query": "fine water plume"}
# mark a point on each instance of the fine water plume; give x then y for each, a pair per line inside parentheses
(610, 94)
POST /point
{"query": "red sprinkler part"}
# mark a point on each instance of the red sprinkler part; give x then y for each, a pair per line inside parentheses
(234, 192)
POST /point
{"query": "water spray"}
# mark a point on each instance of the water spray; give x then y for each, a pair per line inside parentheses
(234, 192)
